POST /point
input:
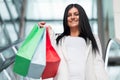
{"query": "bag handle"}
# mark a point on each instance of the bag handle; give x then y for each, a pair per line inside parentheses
(48, 43)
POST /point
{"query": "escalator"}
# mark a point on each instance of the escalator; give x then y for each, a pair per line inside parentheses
(8, 49)
(7, 57)
(9, 38)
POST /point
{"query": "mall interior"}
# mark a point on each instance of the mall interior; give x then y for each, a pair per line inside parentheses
(17, 18)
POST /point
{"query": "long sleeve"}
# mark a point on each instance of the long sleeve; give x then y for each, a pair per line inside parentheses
(100, 71)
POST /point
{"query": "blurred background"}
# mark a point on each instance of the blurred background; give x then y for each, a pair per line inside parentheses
(17, 18)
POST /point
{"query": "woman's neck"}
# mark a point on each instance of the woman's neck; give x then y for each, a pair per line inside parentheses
(74, 32)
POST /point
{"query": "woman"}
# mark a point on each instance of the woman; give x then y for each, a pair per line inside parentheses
(78, 48)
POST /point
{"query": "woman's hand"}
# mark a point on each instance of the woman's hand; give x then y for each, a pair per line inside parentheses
(42, 24)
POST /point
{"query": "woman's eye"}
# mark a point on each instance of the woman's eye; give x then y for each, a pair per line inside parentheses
(76, 14)
(68, 15)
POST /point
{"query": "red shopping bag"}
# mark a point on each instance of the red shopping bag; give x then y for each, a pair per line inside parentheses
(52, 59)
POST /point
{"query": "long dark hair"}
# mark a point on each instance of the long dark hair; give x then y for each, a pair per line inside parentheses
(84, 26)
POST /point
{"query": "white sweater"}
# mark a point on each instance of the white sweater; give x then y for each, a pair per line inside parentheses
(75, 48)
(94, 69)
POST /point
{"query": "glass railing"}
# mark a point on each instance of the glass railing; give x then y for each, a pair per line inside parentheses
(112, 61)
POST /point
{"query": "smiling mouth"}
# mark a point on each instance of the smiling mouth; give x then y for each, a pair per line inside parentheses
(74, 21)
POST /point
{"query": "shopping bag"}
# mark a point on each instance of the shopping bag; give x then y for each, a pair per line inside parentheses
(52, 59)
(38, 61)
(26, 51)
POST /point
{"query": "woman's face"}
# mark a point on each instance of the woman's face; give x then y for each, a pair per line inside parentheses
(73, 17)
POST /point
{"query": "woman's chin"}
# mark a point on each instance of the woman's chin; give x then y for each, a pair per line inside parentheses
(73, 26)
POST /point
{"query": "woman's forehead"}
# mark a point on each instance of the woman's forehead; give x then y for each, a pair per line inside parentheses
(73, 9)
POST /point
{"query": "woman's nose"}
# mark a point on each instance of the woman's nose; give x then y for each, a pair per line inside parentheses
(72, 17)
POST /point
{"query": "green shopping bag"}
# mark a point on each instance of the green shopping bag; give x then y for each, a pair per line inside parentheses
(38, 61)
(26, 51)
